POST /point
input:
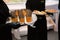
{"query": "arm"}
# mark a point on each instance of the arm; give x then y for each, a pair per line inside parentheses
(14, 25)
(11, 25)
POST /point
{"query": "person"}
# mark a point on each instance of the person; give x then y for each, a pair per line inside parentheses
(40, 31)
(5, 29)
(35, 5)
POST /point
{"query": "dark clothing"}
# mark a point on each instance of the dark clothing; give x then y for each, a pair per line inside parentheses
(5, 29)
(4, 12)
(5, 32)
(40, 32)
(35, 5)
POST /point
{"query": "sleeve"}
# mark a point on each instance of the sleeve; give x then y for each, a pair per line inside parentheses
(14, 25)
(11, 25)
